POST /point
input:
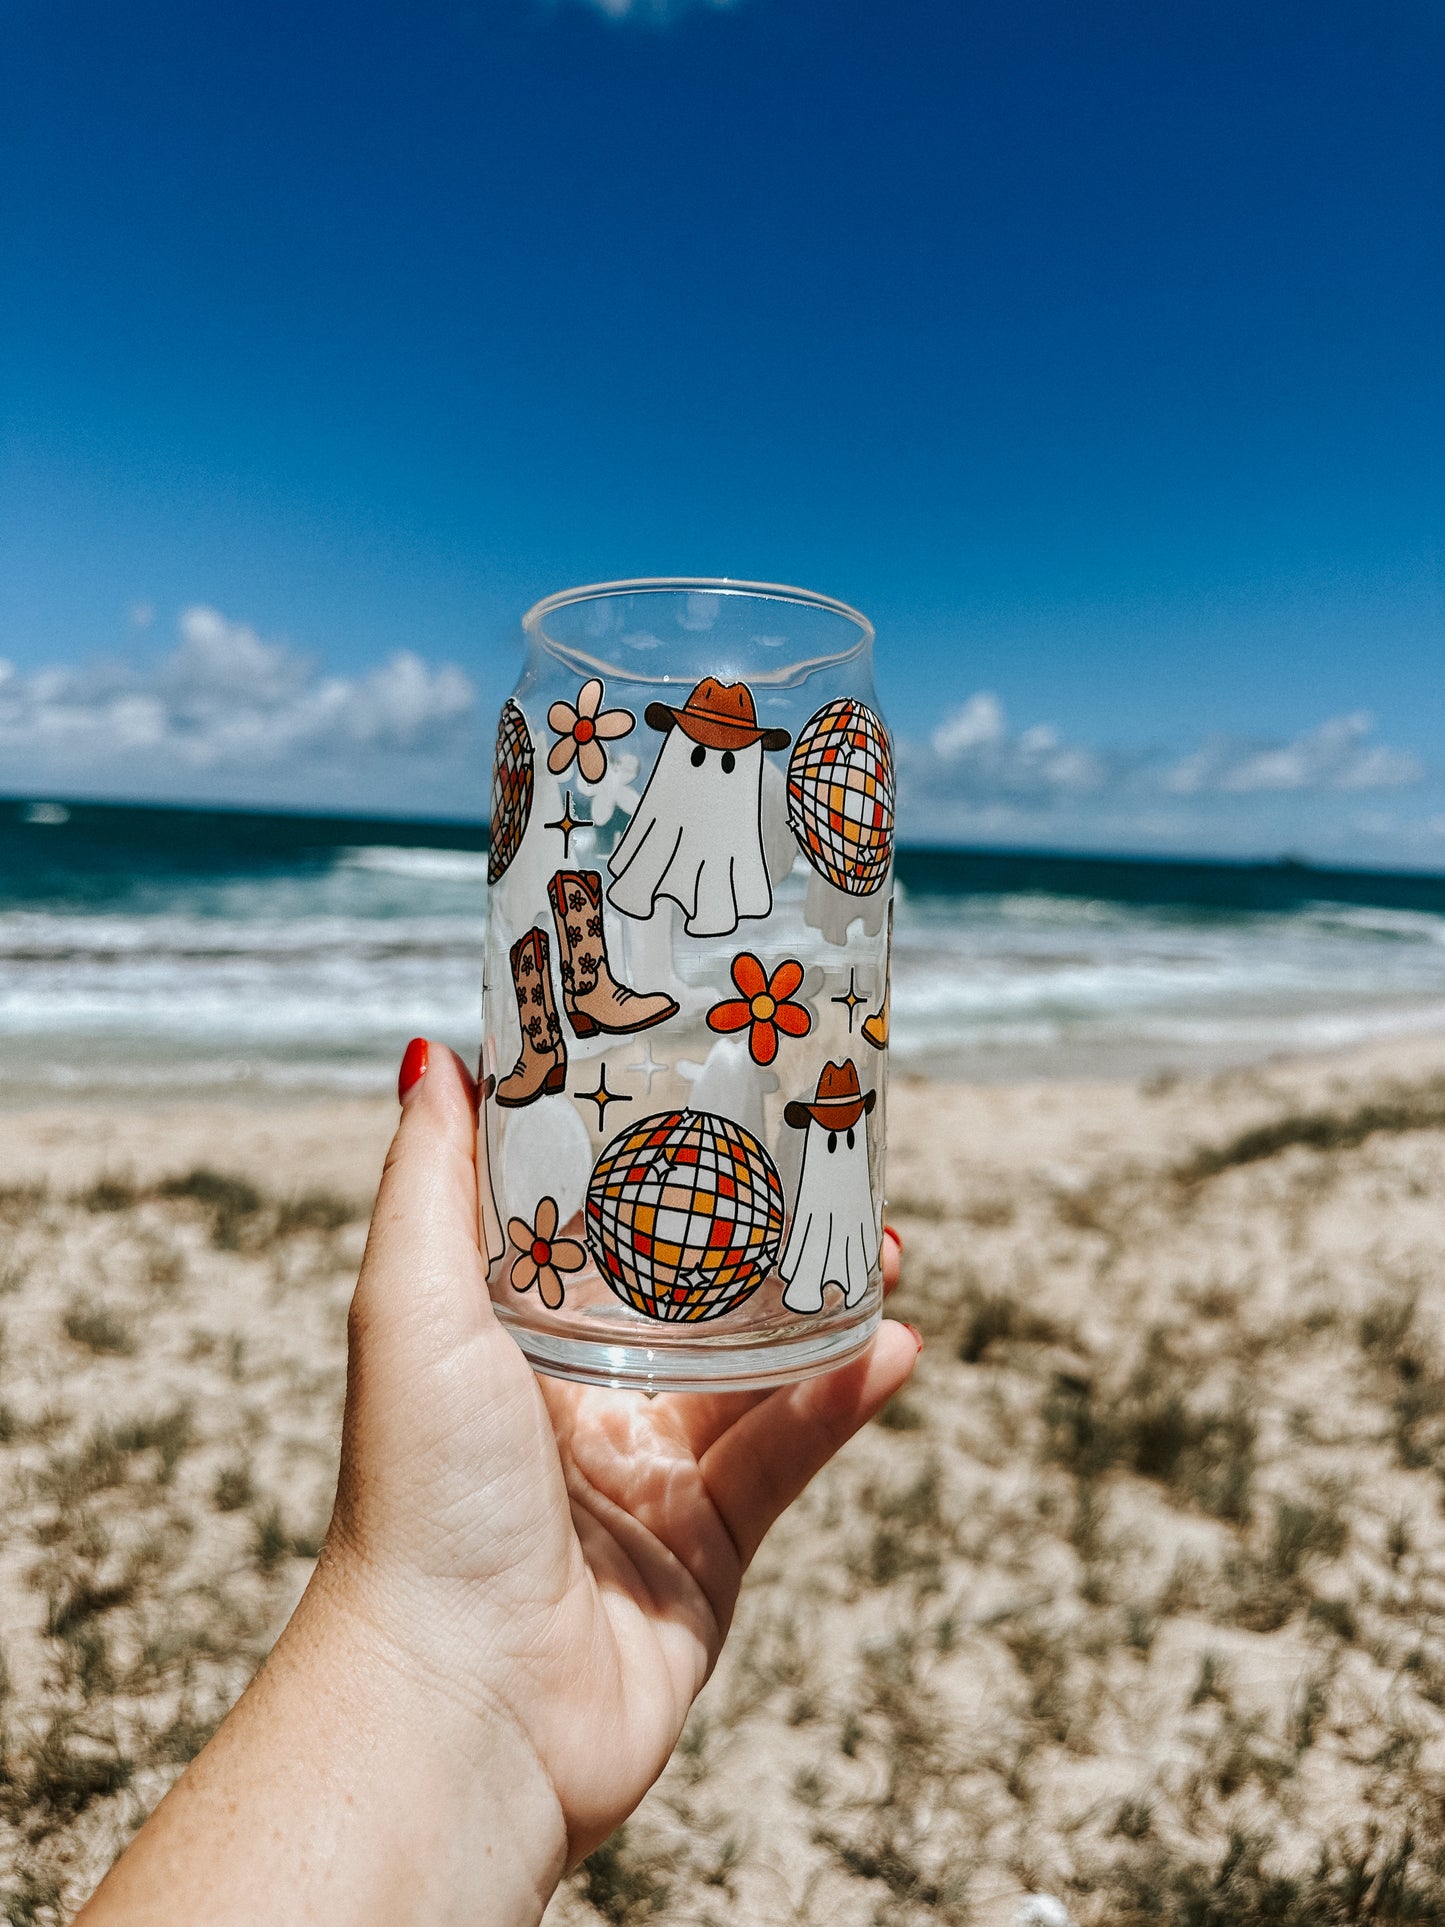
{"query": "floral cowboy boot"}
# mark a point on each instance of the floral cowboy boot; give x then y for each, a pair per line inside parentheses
(542, 1066)
(591, 995)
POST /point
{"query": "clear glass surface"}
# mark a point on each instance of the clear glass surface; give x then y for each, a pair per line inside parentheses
(684, 1058)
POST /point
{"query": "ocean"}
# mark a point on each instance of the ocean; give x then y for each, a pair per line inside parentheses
(165, 951)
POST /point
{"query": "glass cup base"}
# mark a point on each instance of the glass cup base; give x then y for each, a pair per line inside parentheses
(714, 1366)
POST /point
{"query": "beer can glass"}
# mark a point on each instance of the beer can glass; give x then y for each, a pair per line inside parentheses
(686, 1000)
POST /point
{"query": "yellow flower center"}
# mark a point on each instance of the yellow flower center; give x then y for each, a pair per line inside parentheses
(762, 1007)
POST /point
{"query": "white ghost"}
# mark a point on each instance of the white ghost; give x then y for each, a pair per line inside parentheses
(615, 791)
(728, 1083)
(544, 1148)
(833, 1239)
(697, 835)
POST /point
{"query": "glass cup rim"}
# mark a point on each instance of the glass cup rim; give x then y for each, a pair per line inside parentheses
(533, 622)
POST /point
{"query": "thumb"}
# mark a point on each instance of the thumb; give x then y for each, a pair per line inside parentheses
(421, 1309)
(426, 1357)
(423, 1258)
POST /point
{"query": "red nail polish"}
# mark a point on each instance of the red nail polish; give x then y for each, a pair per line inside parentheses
(918, 1335)
(413, 1068)
(889, 1232)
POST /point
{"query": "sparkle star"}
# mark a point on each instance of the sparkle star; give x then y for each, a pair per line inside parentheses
(850, 1001)
(649, 1066)
(602, 1097)
(566, 823)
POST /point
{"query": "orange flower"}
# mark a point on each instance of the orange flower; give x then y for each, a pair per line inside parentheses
(541, 1255)
(765, 1004)
(582, 731)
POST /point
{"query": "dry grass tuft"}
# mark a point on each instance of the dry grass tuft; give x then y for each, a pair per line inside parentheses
(1133, 1598)
(149, 1505)
(99, 1330)
(1419, 1109)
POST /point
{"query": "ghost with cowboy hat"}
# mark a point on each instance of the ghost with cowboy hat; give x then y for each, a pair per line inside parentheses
(833, 1239)
(696, 836)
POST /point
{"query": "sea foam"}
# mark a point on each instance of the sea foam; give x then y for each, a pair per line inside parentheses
(309, 969)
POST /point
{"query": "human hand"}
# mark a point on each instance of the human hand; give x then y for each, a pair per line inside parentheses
(524, 1585)
(568, 1553)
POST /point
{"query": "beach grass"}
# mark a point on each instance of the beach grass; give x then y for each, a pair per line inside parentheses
(167, 1449)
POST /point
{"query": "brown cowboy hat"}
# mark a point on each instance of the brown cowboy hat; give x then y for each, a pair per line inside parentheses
(838, 1102)
(719, 715)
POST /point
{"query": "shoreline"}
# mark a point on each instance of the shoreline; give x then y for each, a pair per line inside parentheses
(148, 1082)
(337, 1142)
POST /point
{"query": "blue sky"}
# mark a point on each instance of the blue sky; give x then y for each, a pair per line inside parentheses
(1094, 348)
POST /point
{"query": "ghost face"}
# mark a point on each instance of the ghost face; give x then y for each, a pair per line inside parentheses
(834, 1235)
(697, 838)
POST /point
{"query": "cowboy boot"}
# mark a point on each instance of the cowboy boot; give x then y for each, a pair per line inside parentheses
(542, 1065)
(591, 995)
(875, 1027)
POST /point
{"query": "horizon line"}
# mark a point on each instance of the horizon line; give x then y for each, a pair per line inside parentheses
(1283, 863)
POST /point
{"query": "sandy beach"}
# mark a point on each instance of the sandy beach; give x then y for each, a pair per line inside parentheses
(1133, 1599)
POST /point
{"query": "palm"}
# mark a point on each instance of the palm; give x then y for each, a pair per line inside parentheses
(654, 1575)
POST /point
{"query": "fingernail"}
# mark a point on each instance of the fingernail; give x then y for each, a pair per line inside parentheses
(889, 1232)
(917, 1335)
(413, 1069)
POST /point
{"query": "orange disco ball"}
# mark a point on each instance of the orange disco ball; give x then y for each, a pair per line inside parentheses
(684, 1215)
(840, 796)
(511, 790)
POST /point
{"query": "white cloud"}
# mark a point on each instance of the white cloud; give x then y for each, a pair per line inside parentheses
(656, 12)
(224, 703)
(1403, 830)
(979, 779)
(973, 724)
(1335, 756)
(230, 715)
(973, 750)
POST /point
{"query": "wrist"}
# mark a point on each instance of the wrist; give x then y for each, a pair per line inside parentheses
(347, 1787)
(476, 1829)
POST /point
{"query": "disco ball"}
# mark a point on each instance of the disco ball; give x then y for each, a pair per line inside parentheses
(684, 1215)
(840, 796)
(511, 790)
